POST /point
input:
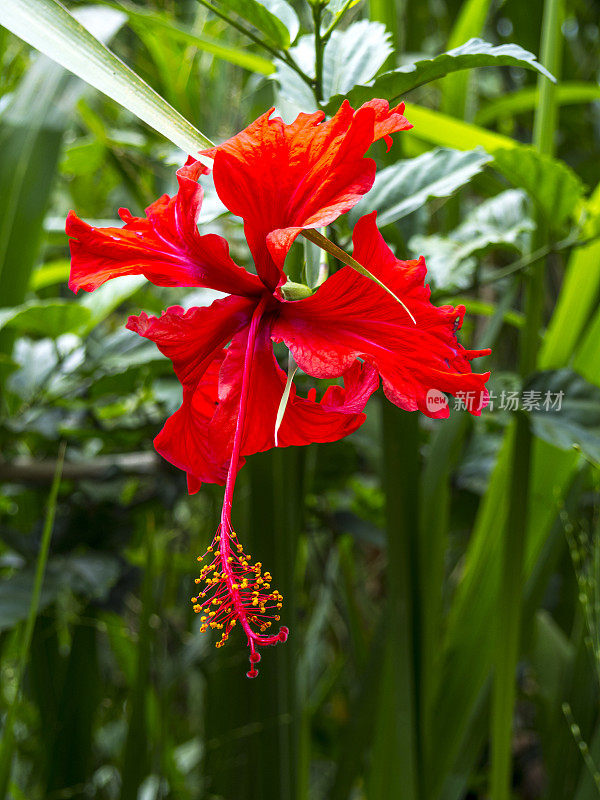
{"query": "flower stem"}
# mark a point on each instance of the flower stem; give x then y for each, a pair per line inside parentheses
(239, 427)
(319, 48)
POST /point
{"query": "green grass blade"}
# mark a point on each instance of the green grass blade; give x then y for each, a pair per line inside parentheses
(6, 746)
(512, 565)
(135, 759)
(48, 26)
(436, 128)
(394, 758)
(576, 302)
(524, 100)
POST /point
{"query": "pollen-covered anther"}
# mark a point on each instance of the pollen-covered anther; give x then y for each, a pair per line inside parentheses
(236, 593)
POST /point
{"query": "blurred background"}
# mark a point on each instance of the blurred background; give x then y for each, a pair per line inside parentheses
(392, 548)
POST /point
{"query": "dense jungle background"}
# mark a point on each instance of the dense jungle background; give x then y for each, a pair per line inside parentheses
(440, 579)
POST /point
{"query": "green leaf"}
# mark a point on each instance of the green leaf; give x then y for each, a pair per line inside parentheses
(501, 221)
(567, 93)
(275, 18)
(406, 186)
(566, 410)
(354, 56)
(48, 26)
(474, 53)
(49, 318)
(553, 185)
(145, 19)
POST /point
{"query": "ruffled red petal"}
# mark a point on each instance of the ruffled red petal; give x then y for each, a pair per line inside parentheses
(165, 246)
(194, 341)
(283, 178)
(192, 338)
(350, 317)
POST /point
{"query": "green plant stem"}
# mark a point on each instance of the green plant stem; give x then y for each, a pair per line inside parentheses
(135, 759)
(319, 48)
(6, 746)
(394, 757)
(511, 580)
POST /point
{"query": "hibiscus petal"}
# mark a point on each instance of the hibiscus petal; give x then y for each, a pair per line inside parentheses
(165, 246)
(351, 317)
(194, 340)
(191, 339)
(337, 414)
(283, 178)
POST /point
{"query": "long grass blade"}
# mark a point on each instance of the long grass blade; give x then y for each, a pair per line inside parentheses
(6, 746)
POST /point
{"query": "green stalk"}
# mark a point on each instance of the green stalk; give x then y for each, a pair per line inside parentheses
(319, 50)
(136, 756)
(394, 756)
(511, 580)
(6, 746)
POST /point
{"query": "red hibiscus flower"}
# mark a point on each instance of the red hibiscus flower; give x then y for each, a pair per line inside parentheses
(281, 179)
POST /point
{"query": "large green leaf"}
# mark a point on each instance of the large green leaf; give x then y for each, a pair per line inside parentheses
(474, 53)
(565, 410)
(48, 26)
(501, 221)
(275, 18)
(406, 186)
(555, 188)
